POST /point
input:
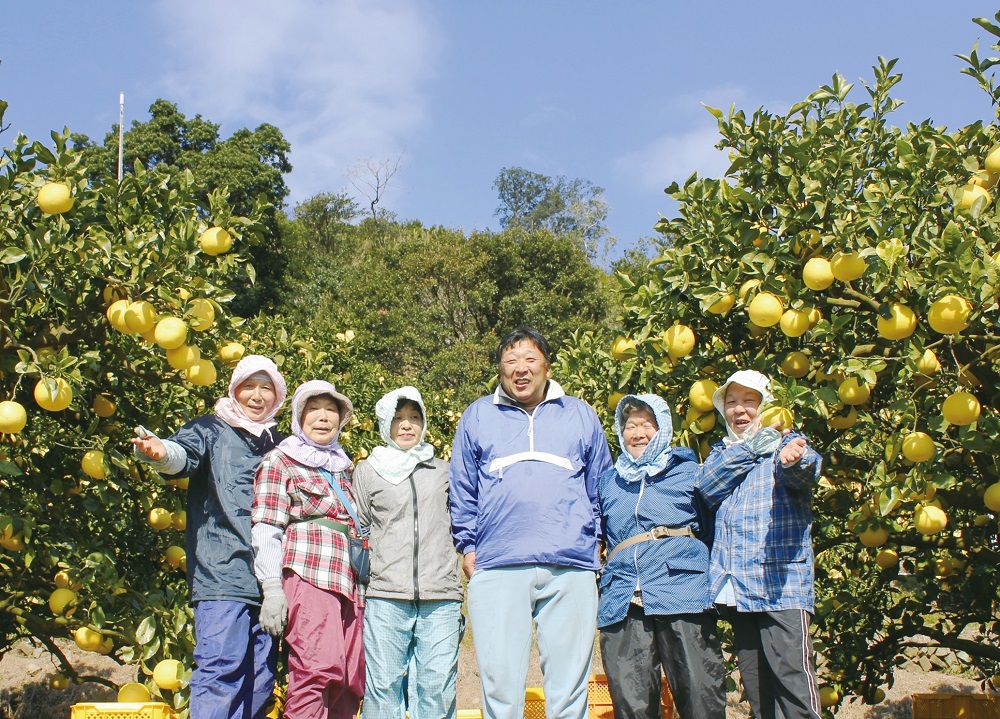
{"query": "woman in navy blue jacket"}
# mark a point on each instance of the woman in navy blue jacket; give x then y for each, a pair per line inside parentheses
(654, 588)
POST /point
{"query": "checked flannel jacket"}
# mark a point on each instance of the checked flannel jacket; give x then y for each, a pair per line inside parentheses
(763, 526)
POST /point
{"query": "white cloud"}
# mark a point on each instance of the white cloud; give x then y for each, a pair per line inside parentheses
(675, 157)
(342, 79)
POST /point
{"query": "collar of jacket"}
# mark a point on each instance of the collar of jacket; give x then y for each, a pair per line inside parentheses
(552, 391)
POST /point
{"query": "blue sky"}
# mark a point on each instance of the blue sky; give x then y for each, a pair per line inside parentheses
(610, 92)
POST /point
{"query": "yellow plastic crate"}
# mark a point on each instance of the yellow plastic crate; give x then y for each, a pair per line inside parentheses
(122, 710)
(470, 714)
(956, 706)
(599, 698)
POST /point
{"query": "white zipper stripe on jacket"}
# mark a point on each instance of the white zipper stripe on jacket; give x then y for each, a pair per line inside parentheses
(501, 463)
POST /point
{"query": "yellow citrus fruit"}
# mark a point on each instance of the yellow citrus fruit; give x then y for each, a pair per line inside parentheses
(928, 363)
(133, 692)
(60, 599)
(847, 266)
(949, 314)
(201, 373)
(795, 365)
(873, 536)
(984, 178)
(104, 406)
(929, 519)
(12, 417)
(887, 558)
(794, 323)
(613, 399)
(702, 421)
(159, 518)
(828, 696)
(843, 421)
(174, 555)
(854, 391)
(992, 161)
(106, 646)
(231, 353)
(901, 325)
(180, 482)
(621, 349)
(93, 464)
(700, 395)
(215, 241)
(116, 315)
(765, 310)
(679, 340)
(746, 288)
(61, 579)
(59, 682)
(88, 639)
(183, 357)
(817, 274)
(202, 314)
(10, 540)
(961, 408)
(178, 520)
(991, 497)
(54, 198)
(815, 315)
(170, 333)
(918, 446)
(140, 316)
(167, 674)
(723, 305)
(777, 414)
(967, 195)
(53, 394)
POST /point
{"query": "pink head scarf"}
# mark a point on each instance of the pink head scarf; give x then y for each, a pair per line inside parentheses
(230, 411)
(303, 450)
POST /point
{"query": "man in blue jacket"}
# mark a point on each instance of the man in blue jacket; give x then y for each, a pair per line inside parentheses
(525, 466)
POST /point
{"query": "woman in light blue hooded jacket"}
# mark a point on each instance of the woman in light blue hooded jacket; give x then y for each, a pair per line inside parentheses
(413, 614)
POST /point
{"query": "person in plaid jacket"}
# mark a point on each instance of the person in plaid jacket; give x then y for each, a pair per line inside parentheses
(759, 482)
(300, 540)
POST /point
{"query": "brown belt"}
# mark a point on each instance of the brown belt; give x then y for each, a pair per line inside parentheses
(655, 533)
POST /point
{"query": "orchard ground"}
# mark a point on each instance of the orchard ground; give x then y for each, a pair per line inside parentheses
(24, 690)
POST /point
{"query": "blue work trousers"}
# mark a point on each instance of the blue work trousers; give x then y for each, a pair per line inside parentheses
(562, 603)
(235, 662)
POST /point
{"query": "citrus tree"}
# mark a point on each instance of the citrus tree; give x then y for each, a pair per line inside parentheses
(113, 314)
(856, 263)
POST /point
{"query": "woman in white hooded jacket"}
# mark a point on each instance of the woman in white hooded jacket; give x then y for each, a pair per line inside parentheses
(413, 611)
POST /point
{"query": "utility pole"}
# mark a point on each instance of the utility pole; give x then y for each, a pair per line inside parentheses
(121, 133)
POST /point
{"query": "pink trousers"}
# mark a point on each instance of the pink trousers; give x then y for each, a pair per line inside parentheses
(326, 657)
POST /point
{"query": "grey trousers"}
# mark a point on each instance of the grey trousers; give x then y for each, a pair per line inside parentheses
(687, 649)
(775, 655)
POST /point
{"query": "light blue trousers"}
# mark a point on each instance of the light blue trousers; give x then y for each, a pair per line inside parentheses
(562, 603)
(421, 637)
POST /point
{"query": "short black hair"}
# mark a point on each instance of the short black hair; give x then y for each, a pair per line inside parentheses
(520, 335)
(403, 401)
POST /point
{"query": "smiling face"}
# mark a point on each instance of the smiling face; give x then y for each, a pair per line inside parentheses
(407, 425)
(741, 407)
(524, 374)
(257, 396)
(321, 419)
(639, 429)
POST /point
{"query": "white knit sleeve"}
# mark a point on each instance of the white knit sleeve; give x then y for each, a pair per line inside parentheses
(267, 559)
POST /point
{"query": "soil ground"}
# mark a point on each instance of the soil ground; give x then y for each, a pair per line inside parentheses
(24, 691)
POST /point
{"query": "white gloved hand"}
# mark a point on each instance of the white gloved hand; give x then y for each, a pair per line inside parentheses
(274, 609)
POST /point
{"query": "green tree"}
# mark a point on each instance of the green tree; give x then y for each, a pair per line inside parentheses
(891, 209)
(533, 201)
(250, 165)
